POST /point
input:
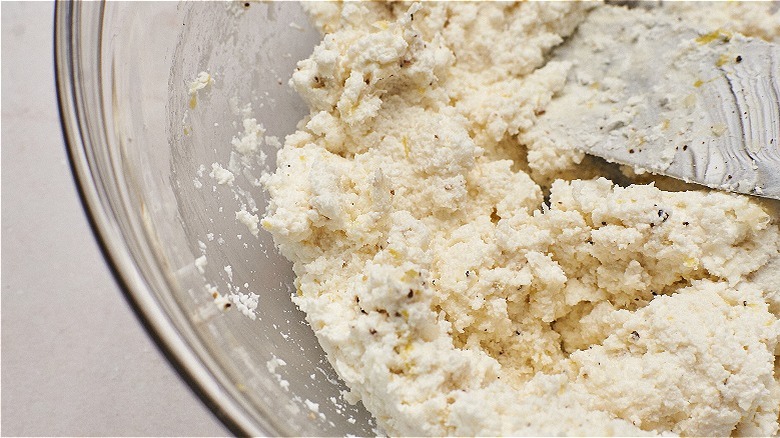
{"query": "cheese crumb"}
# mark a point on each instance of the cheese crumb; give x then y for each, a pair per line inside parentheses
(250, 220)
(221, 175)
(202, 81)
(201, 263)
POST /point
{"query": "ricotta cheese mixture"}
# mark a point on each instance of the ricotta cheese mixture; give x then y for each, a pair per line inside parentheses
(465, 277)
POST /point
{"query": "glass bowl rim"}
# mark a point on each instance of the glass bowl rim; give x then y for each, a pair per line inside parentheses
(136, 290)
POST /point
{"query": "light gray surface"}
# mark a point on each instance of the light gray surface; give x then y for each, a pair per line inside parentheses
(75, 360)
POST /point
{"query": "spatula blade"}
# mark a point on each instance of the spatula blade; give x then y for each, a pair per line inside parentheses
(646, 91)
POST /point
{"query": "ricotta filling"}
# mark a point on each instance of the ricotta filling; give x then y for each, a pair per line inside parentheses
(466, 278)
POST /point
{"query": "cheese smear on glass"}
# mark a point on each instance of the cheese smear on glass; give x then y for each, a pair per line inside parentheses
(465, 277)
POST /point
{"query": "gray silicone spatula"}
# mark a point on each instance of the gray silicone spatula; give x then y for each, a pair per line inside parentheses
(647, 91)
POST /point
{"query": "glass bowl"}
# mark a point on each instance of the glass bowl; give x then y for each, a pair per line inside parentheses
(137, 142)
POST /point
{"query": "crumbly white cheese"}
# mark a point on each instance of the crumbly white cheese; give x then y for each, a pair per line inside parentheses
(202, 81)
(221, 175)
(453, 298)
(246, 303)
(221, 301)
(248, 219)
(200, 263)
(753, 19)
(251, 139)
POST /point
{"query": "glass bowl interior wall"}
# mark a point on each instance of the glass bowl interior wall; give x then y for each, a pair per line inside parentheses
(139, 144)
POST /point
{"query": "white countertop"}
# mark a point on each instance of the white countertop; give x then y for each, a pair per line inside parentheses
(75, 359)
